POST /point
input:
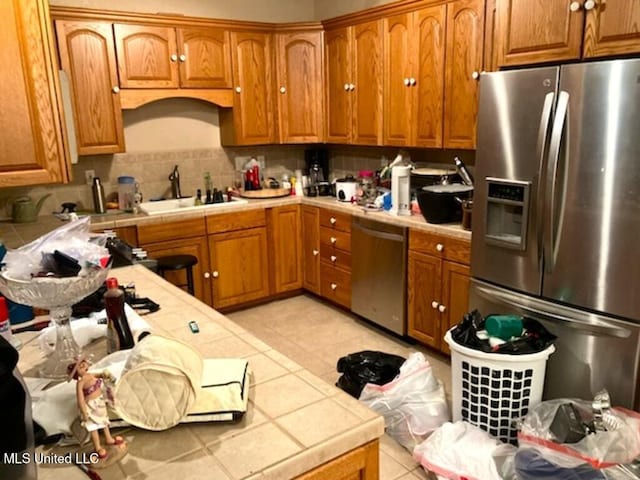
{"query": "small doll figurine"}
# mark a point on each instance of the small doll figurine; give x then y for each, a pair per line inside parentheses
(92, 404)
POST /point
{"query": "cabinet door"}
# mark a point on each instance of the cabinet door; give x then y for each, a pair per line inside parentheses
(398, 72)
(285, 244)
(428, 103)
(311, 248)
(196, 246)
(612, 28)
(300, 101)
(531, 32)
(239, 266)
(253, 109)
(465, 46)
(87, 55)
(338, 80)
(367, 81)
(423, 296)
(147, 56)
(455, 297)
(31, 145)
(204, 56)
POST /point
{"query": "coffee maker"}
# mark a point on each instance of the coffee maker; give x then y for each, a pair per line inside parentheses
(317, 165)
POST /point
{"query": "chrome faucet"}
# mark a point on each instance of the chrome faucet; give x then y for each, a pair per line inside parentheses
(175, 183)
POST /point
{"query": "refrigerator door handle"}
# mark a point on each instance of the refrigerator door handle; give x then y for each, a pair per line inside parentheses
(550, 190)
(543, 136)
(585, 322)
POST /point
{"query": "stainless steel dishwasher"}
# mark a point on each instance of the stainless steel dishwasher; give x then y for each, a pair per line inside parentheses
(379, 273)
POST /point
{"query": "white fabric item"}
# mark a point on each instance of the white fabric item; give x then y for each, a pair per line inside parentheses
(463, 451)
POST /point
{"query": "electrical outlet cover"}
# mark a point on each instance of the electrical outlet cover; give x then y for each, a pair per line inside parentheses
(261, 161)
(241, 161)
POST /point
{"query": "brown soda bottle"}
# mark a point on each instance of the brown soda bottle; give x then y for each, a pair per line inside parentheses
(119, 335)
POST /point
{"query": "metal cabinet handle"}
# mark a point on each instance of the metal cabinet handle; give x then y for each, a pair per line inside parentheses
(589, 5)
(333, 258)
(439, 247)
(434, 304)
(315, 252)
(332, 220)
(412, 81)
(215, 274)
(346, 87)
(475, 75)
(283, 90)
(574, 6)
(174, 57)
(207, 275)
(334, 239)
(182, 57)
(238, 89)
(334, 286)
(442, 308)
(115, 89)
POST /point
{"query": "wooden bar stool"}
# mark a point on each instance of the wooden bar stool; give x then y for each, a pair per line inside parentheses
(172, 263)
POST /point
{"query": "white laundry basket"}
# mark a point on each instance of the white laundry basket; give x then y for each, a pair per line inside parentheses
(490, 390)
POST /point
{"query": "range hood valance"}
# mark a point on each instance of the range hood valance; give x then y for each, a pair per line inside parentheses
(134, 98)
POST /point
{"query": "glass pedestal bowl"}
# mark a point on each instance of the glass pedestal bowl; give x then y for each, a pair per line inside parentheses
(56, 295)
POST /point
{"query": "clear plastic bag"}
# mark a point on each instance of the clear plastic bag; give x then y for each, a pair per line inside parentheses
(619, 444)
(413, 404)
(73, 239)
(461, 451)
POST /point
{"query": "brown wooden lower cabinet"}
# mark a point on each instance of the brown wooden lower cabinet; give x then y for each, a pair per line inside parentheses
(438, 287)
(310, 219)
(239, 270)
(285, 247)
(335, 284)
(182, 237)
(361, 463)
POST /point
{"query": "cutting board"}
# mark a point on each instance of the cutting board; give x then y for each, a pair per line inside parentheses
(266, 193)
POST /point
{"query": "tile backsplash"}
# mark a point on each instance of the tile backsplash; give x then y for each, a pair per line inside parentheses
(152, 169)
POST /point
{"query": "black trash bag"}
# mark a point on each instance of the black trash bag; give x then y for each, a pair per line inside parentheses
(367, 366)
(536, 339)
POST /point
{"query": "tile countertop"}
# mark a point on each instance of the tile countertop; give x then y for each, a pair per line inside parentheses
(294, 423)
(15, 235)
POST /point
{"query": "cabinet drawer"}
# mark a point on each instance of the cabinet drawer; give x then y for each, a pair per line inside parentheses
(335, 220)
(228, 222)
(335, 285)
(335, 238)
(336, 257)
(162, 232)
(454, 249)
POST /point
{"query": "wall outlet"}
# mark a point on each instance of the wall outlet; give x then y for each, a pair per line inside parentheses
(89, 176)
(261, 162)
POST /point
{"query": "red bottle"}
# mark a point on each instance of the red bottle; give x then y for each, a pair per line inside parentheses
(256, 177)
(119, 336)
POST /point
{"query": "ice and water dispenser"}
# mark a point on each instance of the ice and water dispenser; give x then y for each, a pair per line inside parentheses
(507, 213)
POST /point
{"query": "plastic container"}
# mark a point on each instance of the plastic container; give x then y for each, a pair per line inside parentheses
(119, 335)
(504, 326)
(126, 192)
(368, 187)
(491, 390)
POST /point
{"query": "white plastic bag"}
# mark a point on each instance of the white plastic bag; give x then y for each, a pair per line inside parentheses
(620, 444)
(461, 451)
(413, 404)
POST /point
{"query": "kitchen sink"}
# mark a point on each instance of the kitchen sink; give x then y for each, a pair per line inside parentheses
(184, 205)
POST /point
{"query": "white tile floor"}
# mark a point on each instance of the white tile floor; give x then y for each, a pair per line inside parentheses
(315, 334)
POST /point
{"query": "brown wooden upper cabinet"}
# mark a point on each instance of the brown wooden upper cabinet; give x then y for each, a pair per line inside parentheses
(433, 57)
(354, 68)
(414, 47)
(464, 62)
(251, 122)
(300, 86)
(559, 30)
(32, 148)
(87, 55)
(167, 57)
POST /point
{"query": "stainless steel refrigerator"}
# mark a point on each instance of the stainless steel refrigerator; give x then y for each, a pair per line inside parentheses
(556, 219)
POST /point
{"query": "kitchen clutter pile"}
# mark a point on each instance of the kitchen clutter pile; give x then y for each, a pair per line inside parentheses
(499, 426)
